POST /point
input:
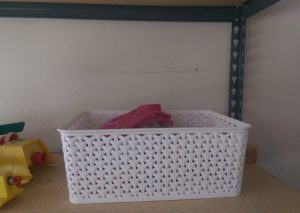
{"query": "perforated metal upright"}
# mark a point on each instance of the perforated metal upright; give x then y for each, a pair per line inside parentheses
(237, 57)
(235, 105)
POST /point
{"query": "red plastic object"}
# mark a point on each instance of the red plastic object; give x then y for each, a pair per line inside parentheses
(140, 117)
(14, 180)
(2, 140)
(13, 136)
(9, 137)
(39, 159)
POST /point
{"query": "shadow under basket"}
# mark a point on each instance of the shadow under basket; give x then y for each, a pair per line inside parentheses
(202, 156)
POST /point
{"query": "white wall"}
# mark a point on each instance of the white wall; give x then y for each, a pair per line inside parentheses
(272, 89)
(53, 69)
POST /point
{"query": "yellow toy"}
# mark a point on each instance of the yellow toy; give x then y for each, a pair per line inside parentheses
(16, 156)
(9, 188)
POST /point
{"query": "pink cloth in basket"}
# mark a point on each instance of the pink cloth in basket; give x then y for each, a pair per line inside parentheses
(140, 117)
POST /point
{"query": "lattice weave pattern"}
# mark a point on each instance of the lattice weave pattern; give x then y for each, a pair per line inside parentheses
(104, 167)
(181, 119)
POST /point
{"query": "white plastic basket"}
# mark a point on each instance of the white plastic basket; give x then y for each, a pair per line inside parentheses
(201, 157)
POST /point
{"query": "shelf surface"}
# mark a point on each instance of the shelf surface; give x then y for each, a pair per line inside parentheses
(261, 192)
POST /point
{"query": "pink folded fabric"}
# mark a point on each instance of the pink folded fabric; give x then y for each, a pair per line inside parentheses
(140, 117)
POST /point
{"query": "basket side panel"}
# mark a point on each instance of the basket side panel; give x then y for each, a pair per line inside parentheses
(201, 119)
(168, 165)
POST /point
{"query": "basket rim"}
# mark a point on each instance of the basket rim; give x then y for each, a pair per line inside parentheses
(240, 125)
